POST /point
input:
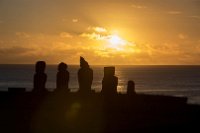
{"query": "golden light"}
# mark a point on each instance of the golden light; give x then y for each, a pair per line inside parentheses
(107, 43)
(116, 42)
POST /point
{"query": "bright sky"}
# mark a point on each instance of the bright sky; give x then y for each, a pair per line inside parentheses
(159, 32)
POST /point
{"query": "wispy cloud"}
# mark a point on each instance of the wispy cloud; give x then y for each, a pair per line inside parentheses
(14, 50)
(22, 34)
(138, 6)
(195, 17)
(75, 20)
(93, 36)
(97, 29)
(109, 43)
(174, 12)
(94, 45)
(95, 33)
(182, 36)
(65, 35)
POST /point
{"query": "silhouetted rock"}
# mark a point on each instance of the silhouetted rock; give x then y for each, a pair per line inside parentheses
(40, 77)
(110, 81)
(131, 88)
(71, 113)
(62, 78)
(85, 76)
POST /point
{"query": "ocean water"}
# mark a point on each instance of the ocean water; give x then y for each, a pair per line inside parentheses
(160, 80)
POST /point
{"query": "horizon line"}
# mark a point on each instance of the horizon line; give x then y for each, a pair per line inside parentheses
(108, 64)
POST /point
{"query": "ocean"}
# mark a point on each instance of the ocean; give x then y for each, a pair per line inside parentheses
(157, 80)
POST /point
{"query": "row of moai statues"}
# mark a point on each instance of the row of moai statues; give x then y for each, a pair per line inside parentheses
(85, 78)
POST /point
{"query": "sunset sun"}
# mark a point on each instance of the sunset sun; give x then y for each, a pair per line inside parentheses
(116, 42)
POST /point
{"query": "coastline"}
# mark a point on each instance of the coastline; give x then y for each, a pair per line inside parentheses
(94, 112)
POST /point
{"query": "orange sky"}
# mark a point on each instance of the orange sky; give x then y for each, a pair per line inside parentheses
(126, 32)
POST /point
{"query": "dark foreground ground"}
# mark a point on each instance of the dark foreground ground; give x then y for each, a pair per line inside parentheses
(57, 112)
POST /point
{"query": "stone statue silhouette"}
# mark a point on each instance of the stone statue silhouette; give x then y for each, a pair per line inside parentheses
(85, 76)
(62, 77)
(131, 88)
(39, 77)
(110, 81)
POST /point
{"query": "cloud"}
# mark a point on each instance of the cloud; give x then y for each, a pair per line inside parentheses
(182, 36)
(93, 36)
(22, 34)
(95, 33)
(195, 17)
(14, 50)
(93, 45)
(138, 6)
(100, 29)
(174, 12)
(108, 44)
(75, 20)
(97, 29)
(174, 53)
(65, 35)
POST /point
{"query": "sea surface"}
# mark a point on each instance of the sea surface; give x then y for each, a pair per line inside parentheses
(159, 80)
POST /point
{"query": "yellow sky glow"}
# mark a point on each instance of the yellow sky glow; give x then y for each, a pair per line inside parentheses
(121, 32)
